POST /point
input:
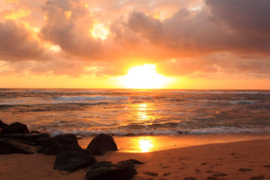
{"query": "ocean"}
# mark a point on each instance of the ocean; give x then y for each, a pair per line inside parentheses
(88, 112)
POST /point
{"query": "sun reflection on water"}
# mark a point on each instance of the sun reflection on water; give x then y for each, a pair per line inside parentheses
(145, 145)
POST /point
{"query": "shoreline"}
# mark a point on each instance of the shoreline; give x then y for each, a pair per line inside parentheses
(217, 160)
(153, 143)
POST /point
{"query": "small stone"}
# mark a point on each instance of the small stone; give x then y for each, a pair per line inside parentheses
(151, 173)
(166, 174)
(257, 178)
(244, 169)
(220, 174)
(189, 178)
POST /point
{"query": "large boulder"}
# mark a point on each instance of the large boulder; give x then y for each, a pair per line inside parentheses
(123, 170)
(72, 158)
(101, 144)
(41, 141)
(20, 141)
(16, 127)
(2, 125)
(9, 146)
(55, 144)
(31, 137)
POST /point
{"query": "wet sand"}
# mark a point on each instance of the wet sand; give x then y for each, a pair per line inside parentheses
(220, 159)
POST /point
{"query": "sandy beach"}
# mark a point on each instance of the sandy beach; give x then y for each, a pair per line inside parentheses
(246, 159)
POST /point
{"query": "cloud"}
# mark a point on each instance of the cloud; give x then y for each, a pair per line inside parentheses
(248, 17)
(182, 37)
(17, 43)
(68, 25)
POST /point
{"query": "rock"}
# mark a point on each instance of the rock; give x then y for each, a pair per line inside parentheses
(2, 125)
(127, 164)
(15, 128)
(21, 141)
(55, 144)
(212, 178)
(36, 132)
(123, 170)
(166, 174)
(10, 146)
(68, 136)
(257, 178)
(103, 164)
(101, 144)
(72, 158)
(31, 137)
(244, 169)
(41, 141)
(220, 174)
(189, 178)
(134, 161)
(151, 173)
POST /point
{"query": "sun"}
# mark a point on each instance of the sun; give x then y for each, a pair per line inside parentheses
(144, 77)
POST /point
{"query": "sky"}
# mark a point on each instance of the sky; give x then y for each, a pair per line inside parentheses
(180, 44)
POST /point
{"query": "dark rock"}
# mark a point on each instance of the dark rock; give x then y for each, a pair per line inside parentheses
(10, 146)
(21, 141)
(189, 178)
(257, 178)
(101, 144)
(41, 141)
(134, 161)
(2, 125)
(151, 173)
(15, 128)
(212, 178)
(36, 132)
(123, 170)
(166, 174)
(68, 136)
(127, 164)
(220, 174)
(55, 144)
(31, 137)
(72, 158)
(244, 169)
(103, 164)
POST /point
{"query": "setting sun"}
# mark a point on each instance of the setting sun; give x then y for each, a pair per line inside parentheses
(144, 77)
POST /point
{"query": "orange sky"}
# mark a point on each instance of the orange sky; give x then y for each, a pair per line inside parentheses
(189, 44)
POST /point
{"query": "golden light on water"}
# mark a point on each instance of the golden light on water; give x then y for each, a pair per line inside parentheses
(144, 77)
(145, 145)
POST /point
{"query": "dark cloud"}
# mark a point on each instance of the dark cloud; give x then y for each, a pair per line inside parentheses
(249, 17)
(17, 43)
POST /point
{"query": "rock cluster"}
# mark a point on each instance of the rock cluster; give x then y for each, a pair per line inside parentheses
(16, 138)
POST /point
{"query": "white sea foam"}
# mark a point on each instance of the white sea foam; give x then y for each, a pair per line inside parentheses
(216, 130)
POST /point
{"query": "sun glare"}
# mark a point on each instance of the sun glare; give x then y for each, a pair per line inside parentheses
(145, 145)
(99, 31)
(144, 77)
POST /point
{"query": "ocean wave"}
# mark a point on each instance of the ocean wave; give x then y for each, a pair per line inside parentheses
(221, 92)
(83, 98)
(220, 130)
(243, 102)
